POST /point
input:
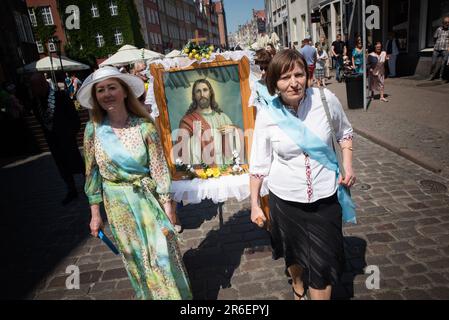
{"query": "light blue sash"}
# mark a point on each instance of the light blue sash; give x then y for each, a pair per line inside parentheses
(312, 145)
(115, 150)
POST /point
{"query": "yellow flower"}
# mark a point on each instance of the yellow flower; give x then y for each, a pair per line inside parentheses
(197, 56)
(209, 172)
(186, 50)
(207, 56)
(201, 174)
(194, 51)
(211, 48)
(216, 172)
(190, 55)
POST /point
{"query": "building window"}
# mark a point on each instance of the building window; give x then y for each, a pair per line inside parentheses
(118, 37)
(114, 8)
(40, 47)
(99, 40)
(94, 10)
(47, 16)
(32, 15)
(51, 46)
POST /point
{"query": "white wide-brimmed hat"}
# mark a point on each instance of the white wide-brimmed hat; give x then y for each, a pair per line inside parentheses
(84, 95)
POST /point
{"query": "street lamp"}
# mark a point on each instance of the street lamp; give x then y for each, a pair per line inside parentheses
(57, 43)
(58, 52)
(53, 77)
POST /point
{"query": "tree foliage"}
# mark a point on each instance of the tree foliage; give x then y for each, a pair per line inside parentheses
(81, 44)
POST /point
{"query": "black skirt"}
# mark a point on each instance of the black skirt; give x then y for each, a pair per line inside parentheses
(310, 235)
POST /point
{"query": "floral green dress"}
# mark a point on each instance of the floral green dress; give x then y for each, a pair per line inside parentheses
(133, 206)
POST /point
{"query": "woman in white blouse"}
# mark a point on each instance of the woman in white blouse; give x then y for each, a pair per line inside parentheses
(306, 215)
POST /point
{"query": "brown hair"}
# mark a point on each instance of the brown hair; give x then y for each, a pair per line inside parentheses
(213, 103)
(133, 106)
(283, 62)
(262, 57)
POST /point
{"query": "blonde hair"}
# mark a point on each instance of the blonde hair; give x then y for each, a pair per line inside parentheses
(132, 104)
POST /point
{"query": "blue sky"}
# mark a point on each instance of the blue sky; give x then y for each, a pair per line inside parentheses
(239, 11)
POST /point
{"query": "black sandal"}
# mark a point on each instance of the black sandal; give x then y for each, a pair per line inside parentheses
(300, 296)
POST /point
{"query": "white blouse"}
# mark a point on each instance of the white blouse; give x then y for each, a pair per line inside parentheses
(293, 175)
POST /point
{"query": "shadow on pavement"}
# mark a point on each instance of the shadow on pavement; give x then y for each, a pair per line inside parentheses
(355, 251)
(192, 216)
(36, 231)
(212, 264)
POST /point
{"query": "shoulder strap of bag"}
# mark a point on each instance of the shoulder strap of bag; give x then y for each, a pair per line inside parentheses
(335, 144)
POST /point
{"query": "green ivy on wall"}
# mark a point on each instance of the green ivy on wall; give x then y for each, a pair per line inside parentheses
(43, 32)
(81, 44)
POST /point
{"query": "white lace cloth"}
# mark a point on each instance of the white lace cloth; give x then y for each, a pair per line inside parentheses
(216, 189)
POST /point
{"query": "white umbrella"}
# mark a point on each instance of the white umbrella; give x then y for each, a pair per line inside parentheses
(45, 64)
(128, 54)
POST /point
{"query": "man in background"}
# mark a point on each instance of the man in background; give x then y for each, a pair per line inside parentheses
(58, 117)
(440, 50)
(392, 47)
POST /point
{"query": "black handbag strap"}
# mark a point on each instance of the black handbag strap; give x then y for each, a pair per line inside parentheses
(335, 144)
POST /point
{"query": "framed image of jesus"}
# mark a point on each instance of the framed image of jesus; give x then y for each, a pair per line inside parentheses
(204, 115)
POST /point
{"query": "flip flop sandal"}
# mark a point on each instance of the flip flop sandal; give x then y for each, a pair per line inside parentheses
(301, 296)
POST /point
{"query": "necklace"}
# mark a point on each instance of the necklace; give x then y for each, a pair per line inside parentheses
(123, 126)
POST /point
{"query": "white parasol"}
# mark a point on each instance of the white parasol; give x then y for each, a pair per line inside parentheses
(129, 54)
(45, 64)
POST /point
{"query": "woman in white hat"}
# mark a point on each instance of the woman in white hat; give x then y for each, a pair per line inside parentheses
(126, 168)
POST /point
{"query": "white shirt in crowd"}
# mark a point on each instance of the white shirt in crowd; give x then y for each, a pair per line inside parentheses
(279, 159)
(321, 61)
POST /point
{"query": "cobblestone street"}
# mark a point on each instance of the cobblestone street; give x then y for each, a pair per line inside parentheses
(403, 229)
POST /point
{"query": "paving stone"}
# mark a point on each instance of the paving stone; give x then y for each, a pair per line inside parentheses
(128, 294)
(442, 263)
(416, 294)
(388, 295)
(386, 227)
(417, 205)
(90, 276)
(391, 271)
(431, 230)
(416, 268)
(249, 290)
(428, 221)
(378, 260)
(423, 242)
(416, 281)
(400, 259)
(405, 233)
(124, 284)
(400, 246)
(391, 284)
(380, 237)
(424, 254)
(377, 249)
(103, 286)
(441, 293)
(114, 274)
(228, 294)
